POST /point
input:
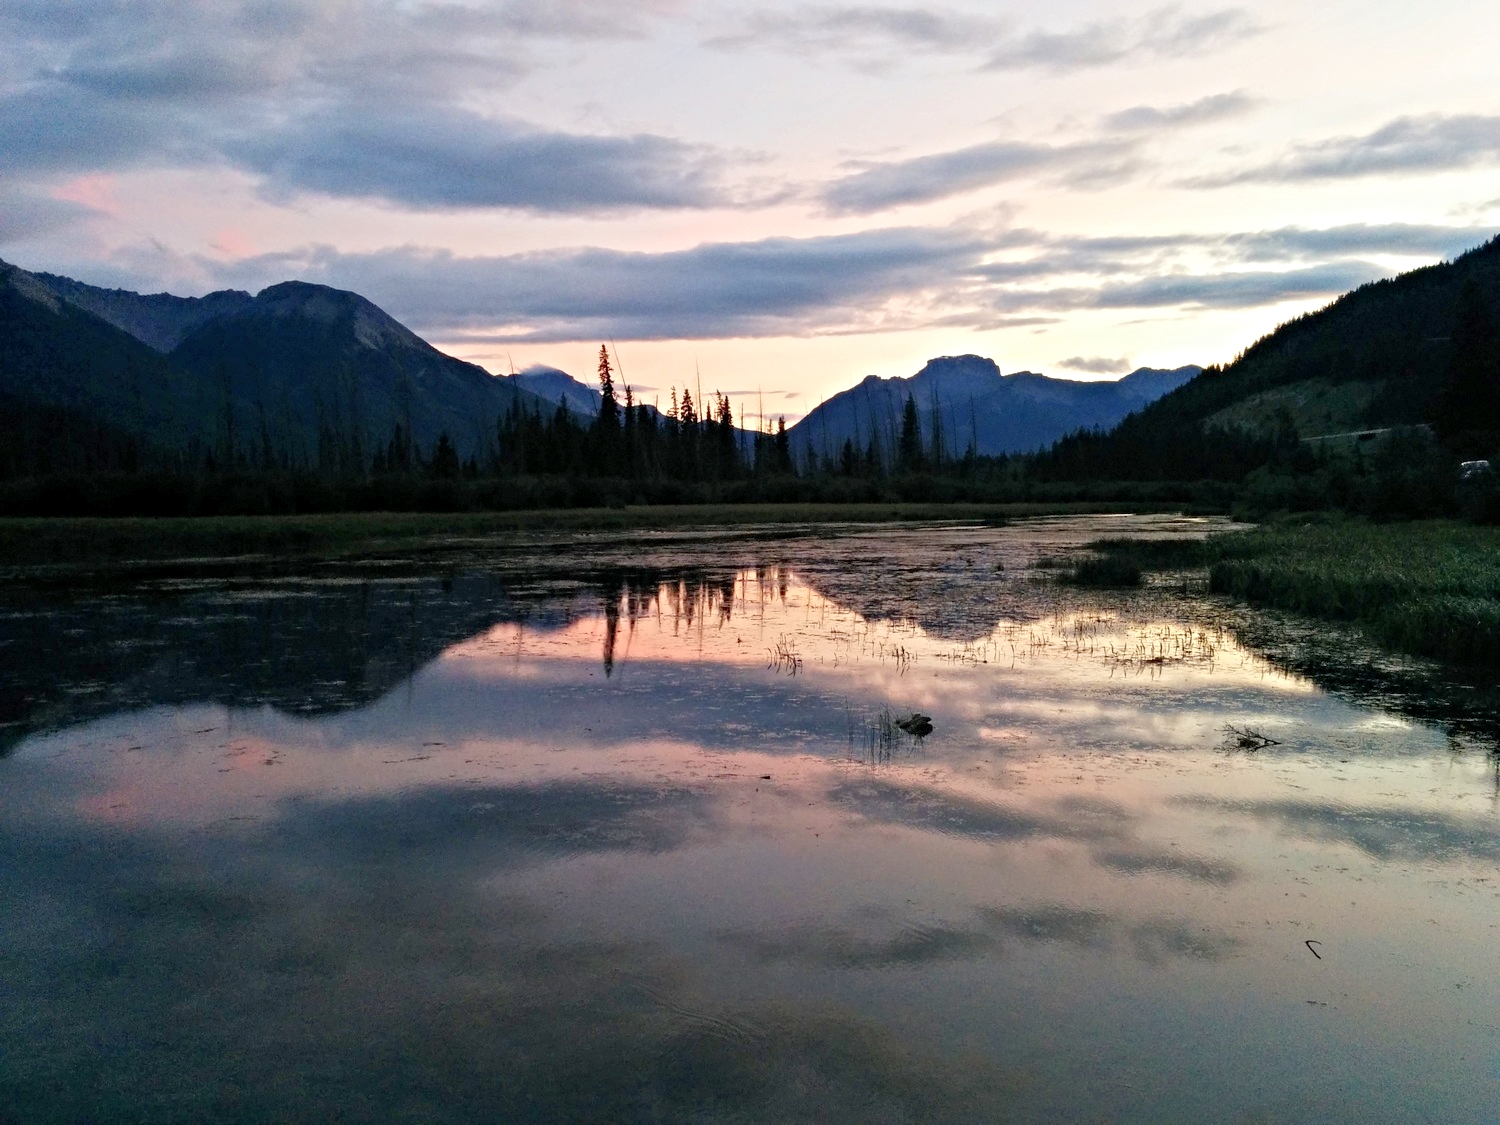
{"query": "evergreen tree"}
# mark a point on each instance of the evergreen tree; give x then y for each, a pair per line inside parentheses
(939, 451)
(1470, 405)
(849, 459)
(630, 460)
(444, 464)
(609, 407)
(909, 453)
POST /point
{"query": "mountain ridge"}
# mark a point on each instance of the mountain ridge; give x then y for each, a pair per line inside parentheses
(973, 404)
(297, 374)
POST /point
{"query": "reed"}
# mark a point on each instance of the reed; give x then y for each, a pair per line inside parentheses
(1429, 587)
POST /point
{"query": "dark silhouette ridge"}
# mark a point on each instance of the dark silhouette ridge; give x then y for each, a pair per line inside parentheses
(964, 402)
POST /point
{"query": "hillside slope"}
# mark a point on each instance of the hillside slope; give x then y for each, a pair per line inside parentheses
(1377, 358)
(1393, 337)
(77, 391)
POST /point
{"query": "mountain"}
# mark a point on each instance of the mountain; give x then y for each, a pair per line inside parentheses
(314, 369)
(973, 403)
(1381, 356)
(77, 393)
(1374, 357)
(298, 374)
(558, 387)
(158, 320)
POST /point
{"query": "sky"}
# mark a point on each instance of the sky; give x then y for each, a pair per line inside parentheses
(773, 199)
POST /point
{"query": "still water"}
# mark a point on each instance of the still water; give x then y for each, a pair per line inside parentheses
(591, 829)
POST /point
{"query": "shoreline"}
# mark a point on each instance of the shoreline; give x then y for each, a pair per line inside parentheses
(33, 541)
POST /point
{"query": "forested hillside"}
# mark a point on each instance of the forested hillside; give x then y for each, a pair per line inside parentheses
(1379, 358)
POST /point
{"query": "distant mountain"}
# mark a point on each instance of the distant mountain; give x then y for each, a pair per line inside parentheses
(299, 374)
(971, 402)
(557, 386)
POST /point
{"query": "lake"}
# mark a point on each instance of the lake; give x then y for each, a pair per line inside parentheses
(592, 828)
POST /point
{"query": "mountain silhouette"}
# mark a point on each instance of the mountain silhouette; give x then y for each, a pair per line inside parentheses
(973, 404)
(558, 387)
(297, 375)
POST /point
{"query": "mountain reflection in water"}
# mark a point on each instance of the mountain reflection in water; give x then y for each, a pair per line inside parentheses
(587, 830)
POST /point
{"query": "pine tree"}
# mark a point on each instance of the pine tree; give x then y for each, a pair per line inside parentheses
(444, 462)
(909, 453)
(783, 447)
(1471, 402)
(609, 407)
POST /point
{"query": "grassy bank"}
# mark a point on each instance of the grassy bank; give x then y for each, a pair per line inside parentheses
(1428, 587)
(37, 541)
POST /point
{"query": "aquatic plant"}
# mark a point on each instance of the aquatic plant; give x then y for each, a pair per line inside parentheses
(784, 656)
(885, 734)
(1106, 572)
(1429, 588)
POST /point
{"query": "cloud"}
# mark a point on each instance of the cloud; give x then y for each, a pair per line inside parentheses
(812, 30)
(1129, 861)
(1164, 33)
(1215, 107)
(884, 35)
(1400, 835)
(771, 287)
(442, 157)
(517, 824)
(370, 100)
(1235, 289)
(1434, 142)
(1096, 365)
(1177, 258)
(25, 216)
(991, 934)
(872, 280)
(925, 178)
(1358, 238)
(61, 129)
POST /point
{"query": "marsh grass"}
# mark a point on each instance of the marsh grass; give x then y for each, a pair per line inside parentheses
(784, 657)
(1114, 572)
(1429, 588)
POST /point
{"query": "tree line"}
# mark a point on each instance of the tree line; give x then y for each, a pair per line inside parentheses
(61, 459)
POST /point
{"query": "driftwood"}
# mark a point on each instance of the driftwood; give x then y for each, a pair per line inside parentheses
(1248, 739)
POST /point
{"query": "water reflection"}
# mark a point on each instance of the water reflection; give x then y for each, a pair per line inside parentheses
(987, 934)
(533, 843)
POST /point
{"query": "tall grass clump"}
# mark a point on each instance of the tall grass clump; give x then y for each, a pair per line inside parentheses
(1431, 588)
(1112, 572)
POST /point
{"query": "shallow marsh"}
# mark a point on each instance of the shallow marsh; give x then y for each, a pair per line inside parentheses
(604, 828)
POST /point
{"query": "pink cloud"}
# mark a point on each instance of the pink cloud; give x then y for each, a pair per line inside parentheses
(95, 191)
